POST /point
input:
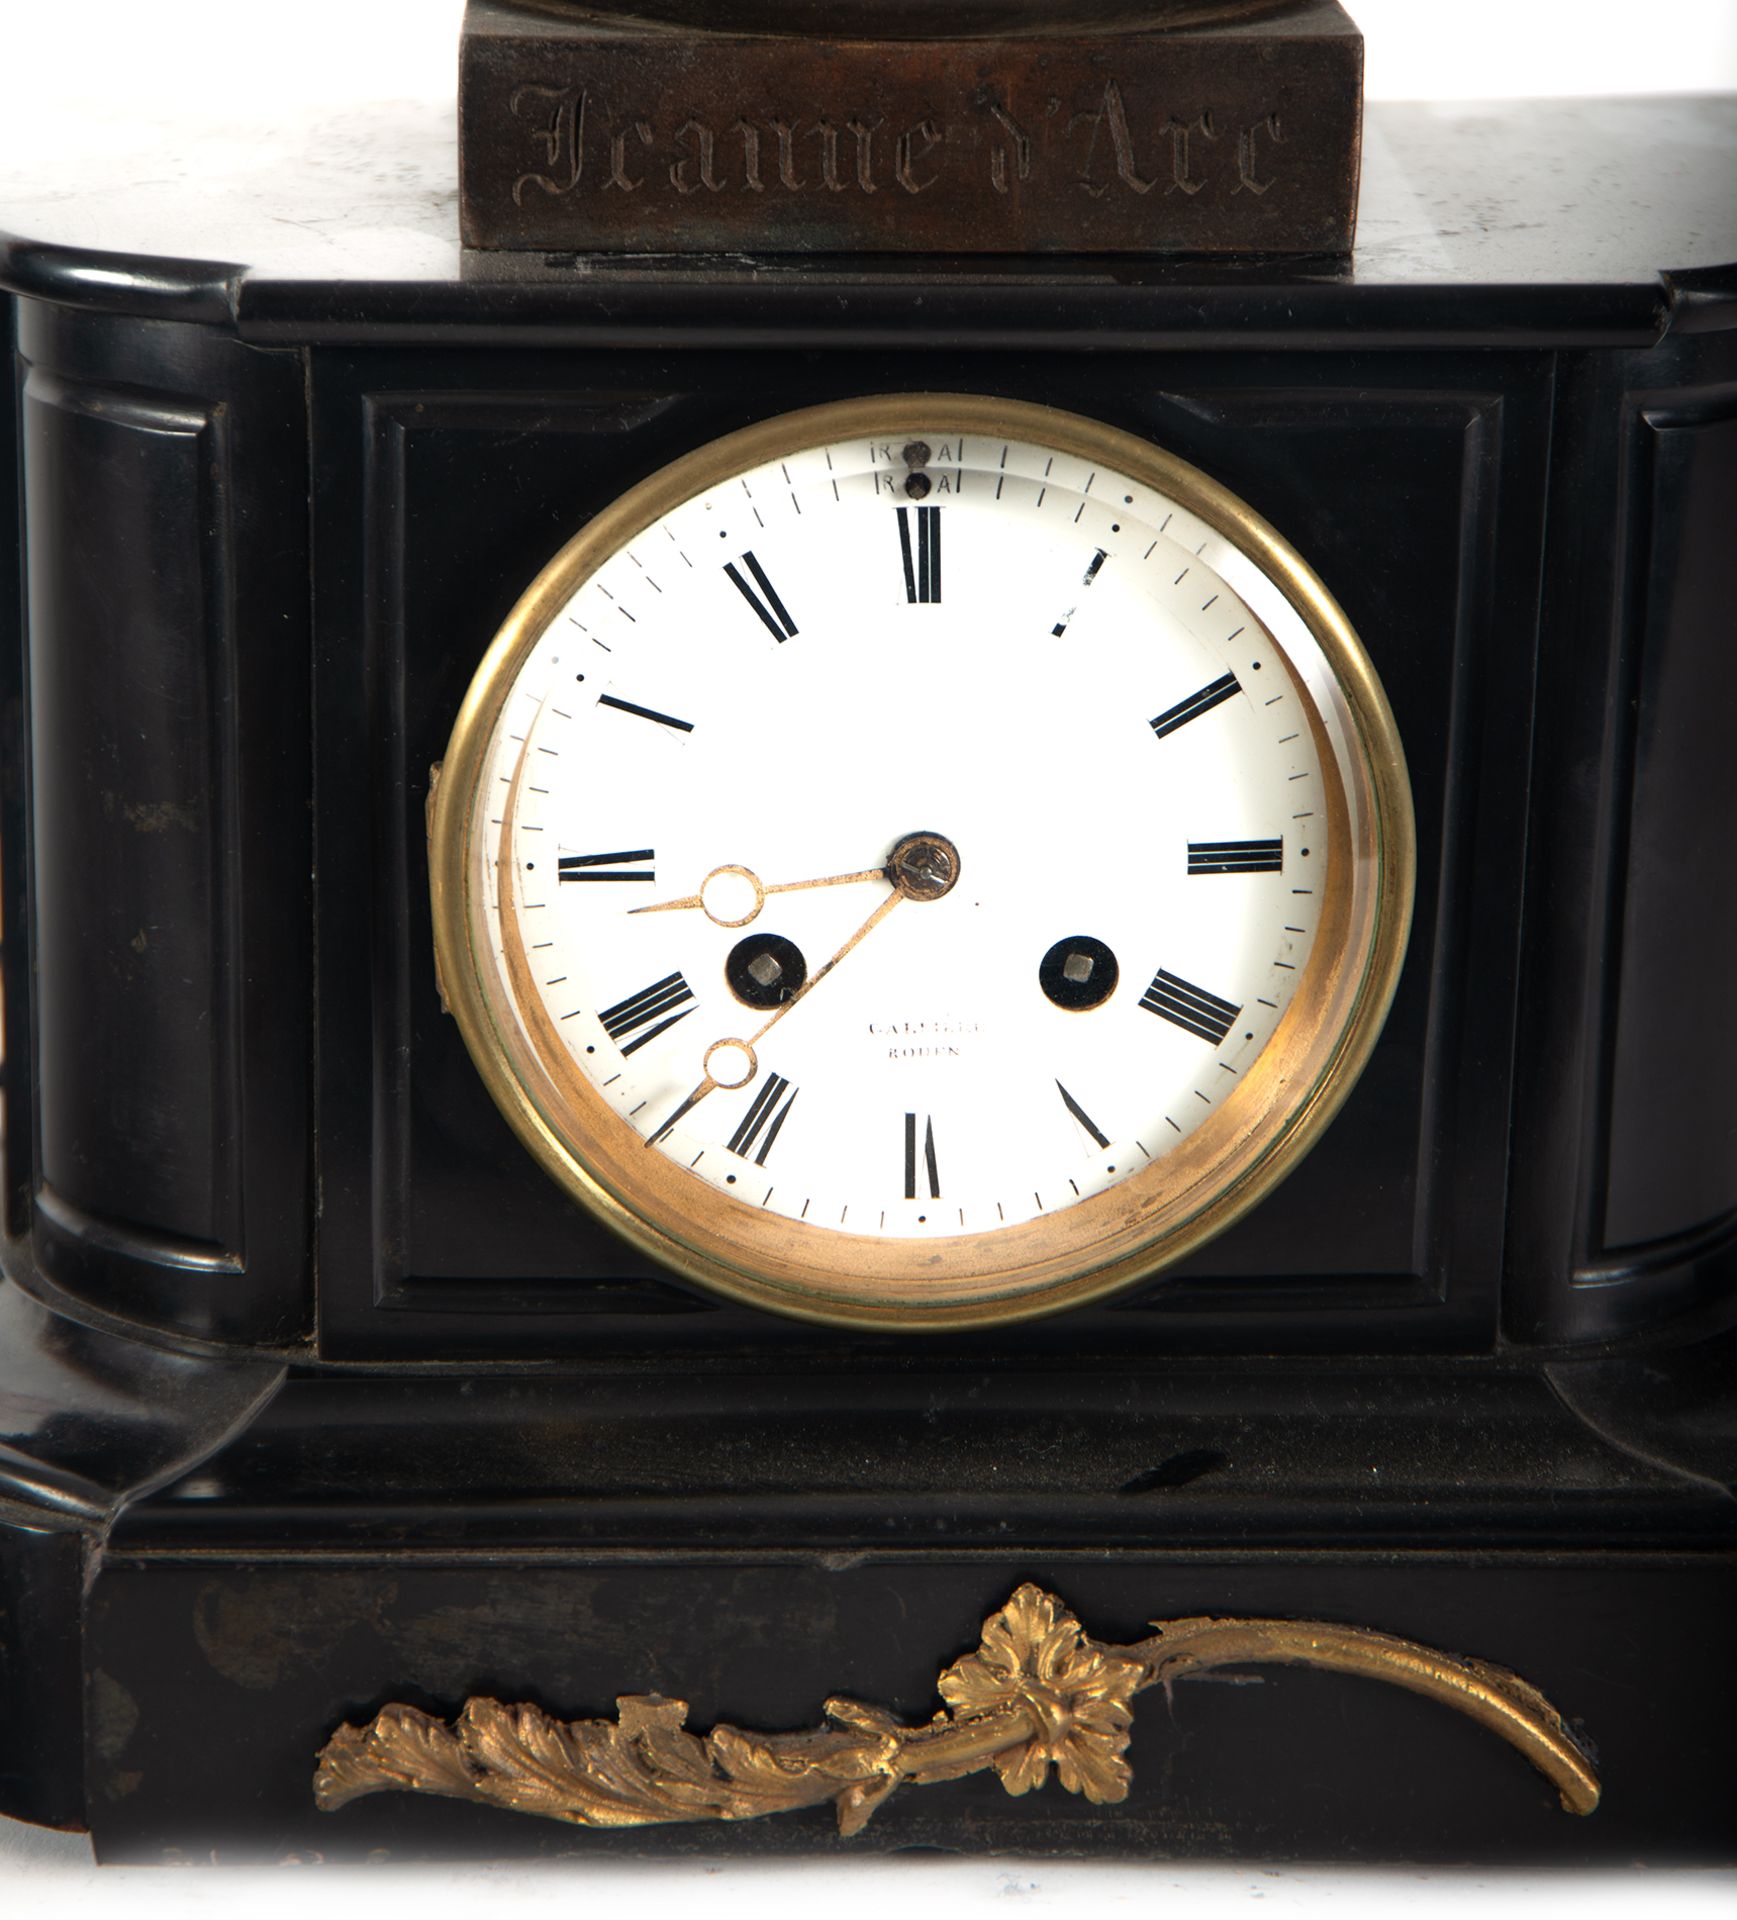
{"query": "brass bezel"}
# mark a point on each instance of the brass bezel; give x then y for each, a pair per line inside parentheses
(1059, 1260)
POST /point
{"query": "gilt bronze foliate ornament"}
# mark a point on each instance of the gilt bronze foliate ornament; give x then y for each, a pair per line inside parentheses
(1037, 1694)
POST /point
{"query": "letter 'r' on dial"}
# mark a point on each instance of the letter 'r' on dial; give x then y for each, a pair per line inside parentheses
(926, 861)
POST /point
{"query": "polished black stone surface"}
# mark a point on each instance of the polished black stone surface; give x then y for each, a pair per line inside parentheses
(314, 1395)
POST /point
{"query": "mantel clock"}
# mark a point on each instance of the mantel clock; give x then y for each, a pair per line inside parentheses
(908, 881)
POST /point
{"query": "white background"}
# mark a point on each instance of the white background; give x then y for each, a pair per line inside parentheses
(252, 56)
(246, 55)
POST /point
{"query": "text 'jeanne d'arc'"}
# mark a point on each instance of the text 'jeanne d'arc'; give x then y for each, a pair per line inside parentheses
(1105, 148)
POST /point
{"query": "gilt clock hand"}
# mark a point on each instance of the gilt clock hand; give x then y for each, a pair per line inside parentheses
(922, 866)
(729, 1055)
(729, 882)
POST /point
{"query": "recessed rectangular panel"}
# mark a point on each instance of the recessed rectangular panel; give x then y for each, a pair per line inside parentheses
(454, 1198)
(473, 1248)
(218, 1680)
(131, 919)
(1672, 1144)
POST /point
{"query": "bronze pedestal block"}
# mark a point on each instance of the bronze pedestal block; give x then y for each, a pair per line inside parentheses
(1156, 129)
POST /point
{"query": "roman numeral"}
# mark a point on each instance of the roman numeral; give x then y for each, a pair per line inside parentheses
(782, 627)
(590, 866)
(645, 1008)
(765, 1116)
(1061, 626)
(1236, 856)
(923, 568)
(928, 1158)
(1081, 1115)
(1189, 1007)
(645, 713)
(1210, 696)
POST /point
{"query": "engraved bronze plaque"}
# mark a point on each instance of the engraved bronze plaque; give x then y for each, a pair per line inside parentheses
(1194, 127)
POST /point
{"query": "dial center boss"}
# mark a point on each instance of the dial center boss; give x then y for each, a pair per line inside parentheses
(924, 866)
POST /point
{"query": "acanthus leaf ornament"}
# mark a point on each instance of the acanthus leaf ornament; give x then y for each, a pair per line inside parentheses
(1035, 1656)
(1037, 1693)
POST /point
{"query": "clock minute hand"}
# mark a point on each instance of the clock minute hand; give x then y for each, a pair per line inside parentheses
(820, 973)
(707, 1085)
(922, 866)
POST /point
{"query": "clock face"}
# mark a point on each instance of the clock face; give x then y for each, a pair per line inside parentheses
(922, 861)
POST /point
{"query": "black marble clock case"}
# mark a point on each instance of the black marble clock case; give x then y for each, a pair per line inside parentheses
(317, 1394)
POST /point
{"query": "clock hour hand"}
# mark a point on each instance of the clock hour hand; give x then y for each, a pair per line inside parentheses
(727, 891)
(728, 1064)
(699, 1093)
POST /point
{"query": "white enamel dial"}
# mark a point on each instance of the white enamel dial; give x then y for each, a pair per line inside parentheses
(912, 851)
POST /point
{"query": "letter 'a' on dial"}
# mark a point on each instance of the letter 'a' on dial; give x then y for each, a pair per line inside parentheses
(922, 862)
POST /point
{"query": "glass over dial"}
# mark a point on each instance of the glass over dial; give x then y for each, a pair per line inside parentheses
(922, 861)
